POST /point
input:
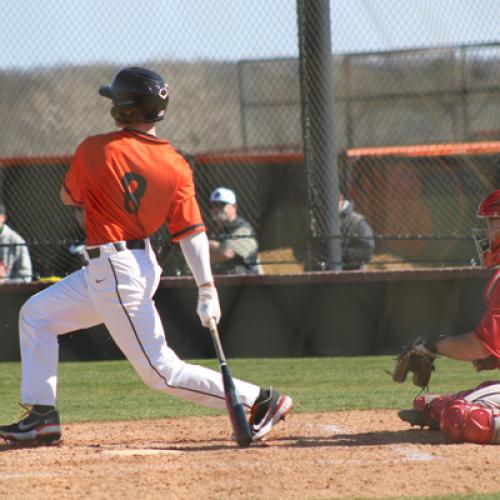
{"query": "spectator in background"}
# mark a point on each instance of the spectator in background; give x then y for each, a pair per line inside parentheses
(234, 249)
(358, 243)
(15, 261)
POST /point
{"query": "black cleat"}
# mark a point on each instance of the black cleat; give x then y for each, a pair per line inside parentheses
(34, 427)
(266, 414)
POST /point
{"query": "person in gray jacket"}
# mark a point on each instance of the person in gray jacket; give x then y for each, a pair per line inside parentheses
(15, 261)
(358, 243)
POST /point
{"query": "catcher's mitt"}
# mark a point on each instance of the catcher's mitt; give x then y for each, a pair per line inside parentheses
(415, 358)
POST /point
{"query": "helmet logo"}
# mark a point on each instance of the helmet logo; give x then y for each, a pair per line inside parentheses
(163, 93)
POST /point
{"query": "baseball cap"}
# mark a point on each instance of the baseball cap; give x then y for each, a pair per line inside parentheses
(223, 195)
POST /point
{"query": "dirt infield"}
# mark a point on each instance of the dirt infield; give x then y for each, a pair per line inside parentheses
(327, 455)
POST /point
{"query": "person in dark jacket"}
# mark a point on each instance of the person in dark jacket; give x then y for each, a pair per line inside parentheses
(358, 243)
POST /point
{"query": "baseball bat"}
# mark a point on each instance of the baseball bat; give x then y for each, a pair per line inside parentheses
(239, 423)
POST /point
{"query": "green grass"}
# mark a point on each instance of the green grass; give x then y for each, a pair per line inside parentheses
(93, 391)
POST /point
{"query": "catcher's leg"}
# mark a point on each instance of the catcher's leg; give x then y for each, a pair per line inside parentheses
(427, 410)
(472, 423)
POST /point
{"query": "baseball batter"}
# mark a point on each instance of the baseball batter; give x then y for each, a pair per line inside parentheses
(129, 183)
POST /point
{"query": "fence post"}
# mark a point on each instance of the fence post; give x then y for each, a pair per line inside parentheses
(318, 129)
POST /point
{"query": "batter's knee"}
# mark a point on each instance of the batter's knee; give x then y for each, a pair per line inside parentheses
(25, 310)
(27, 313)
(160, 377)
(33, 308)
(150, 377)
(469, 422)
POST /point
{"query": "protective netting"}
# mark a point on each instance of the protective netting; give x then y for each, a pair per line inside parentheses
(422, 202)
(422, 73)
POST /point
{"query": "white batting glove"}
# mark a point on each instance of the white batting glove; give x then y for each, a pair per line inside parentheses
(208, 305)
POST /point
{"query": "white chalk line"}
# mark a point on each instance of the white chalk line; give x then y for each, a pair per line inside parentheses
(6, 475)
(111, 450)
(138, 452)
(145, 449)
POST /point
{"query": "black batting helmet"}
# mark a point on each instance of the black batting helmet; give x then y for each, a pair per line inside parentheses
(138, 95)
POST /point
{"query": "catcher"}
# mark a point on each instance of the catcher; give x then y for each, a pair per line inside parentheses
(463, 420)
(471, 416)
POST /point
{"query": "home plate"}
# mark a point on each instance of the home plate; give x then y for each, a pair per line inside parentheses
(135, 452)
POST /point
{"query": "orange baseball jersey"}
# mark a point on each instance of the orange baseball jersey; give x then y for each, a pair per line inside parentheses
(488, 330)
(129, 184)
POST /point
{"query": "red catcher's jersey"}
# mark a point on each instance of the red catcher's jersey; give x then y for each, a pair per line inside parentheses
(129, 184)
(488, 330)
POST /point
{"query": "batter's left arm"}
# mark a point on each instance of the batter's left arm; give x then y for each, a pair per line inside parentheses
(196, 252)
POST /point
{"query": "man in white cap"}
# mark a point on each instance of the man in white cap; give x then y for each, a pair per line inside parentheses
(234, 249)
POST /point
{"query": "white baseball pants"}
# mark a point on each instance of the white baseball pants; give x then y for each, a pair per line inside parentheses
(115, 289)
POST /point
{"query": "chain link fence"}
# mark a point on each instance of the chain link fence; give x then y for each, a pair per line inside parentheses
(425, 200)
(402, 75)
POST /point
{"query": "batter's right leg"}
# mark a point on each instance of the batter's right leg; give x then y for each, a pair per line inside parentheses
(121, 287)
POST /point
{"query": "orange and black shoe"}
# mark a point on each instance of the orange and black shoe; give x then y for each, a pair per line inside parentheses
(269, 408)
(39, 425)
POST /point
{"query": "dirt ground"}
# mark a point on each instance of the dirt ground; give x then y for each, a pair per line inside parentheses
(326, 455)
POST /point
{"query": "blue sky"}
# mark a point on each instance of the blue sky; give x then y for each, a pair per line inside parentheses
(53, 32)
